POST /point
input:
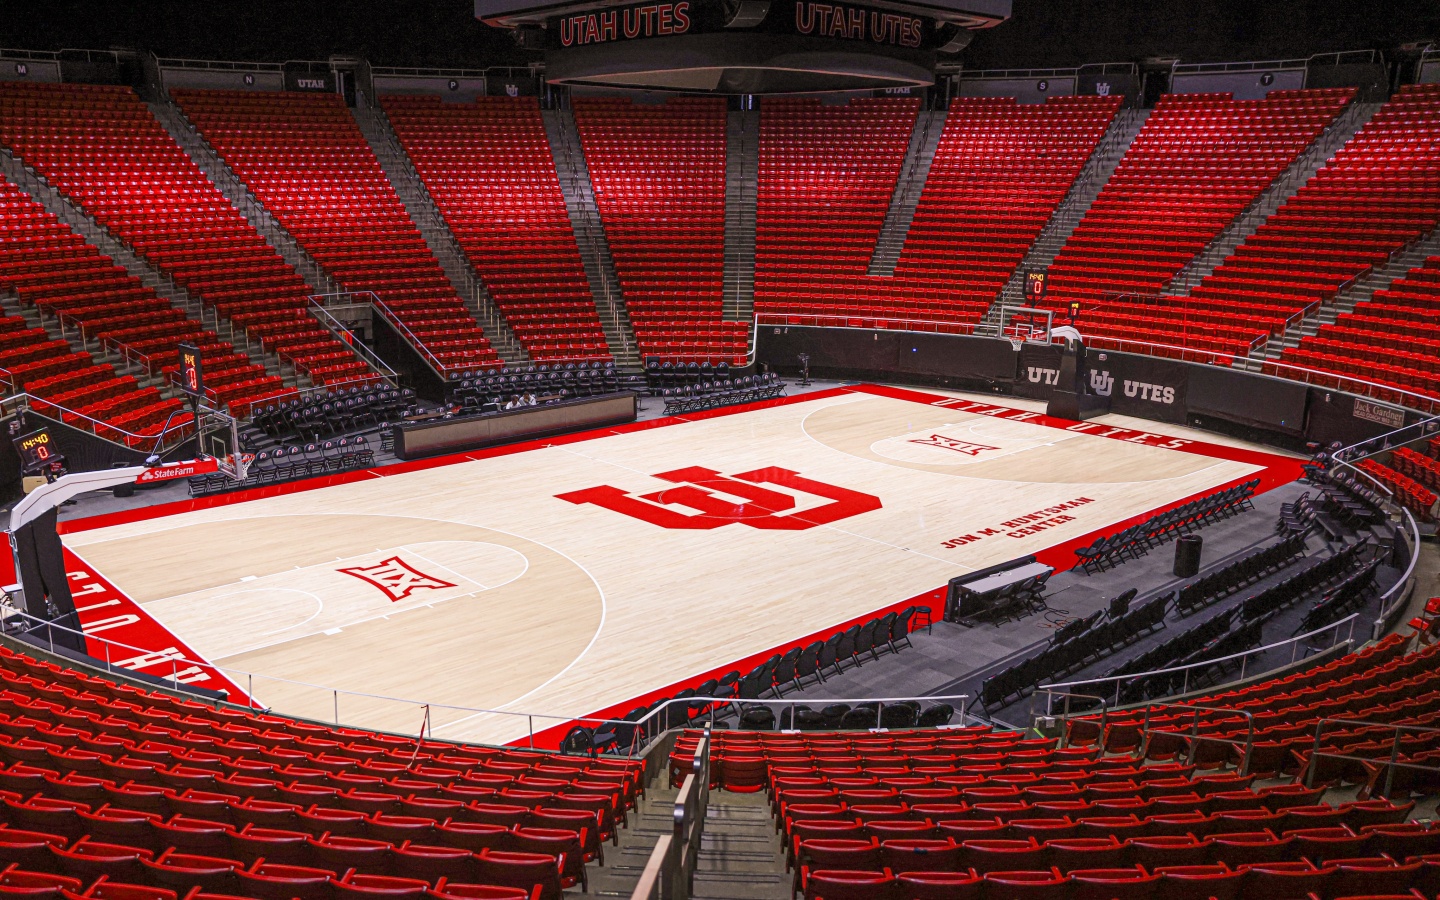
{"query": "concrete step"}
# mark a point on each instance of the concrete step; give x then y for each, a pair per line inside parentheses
(228, 183)
(39, 189)
(1284, 187)
(440, 240)
(590, 238)
(741, 855)
(1066, 218)
(909, 185)
(742, 163)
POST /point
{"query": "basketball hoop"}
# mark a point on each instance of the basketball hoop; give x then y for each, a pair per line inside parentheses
(1015, 342)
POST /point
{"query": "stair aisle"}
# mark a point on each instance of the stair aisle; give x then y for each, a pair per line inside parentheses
(228, 183)
(658, 175)
(1280, 191)
(306, 159)
(375, 126)
(651, 818)
(924, 141)
(1088, 185)
(1200, 162)
(742, 162)
(97, 157)
(590, 236)
(741, 854)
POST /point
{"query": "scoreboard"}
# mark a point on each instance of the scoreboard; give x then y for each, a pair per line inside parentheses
(744, 46)
(37, 450)
(192, 373)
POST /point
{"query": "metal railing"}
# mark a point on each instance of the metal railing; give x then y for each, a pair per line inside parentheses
(173, 62)
(1425, 428)
(152, 364)
(419, 71)
(1294, 643)
(1316, 377)
(369, 298)
(347, 337)
(670, 870)
(1258, 65)
(321, 703)
(886, 323)
(1338, 57)
(1353, 385)
(159, 442)
(18, 54)
(1007, 74)
(1392, 602)
(1316, 754)
(1195, 738)
(329, 387)
(658, 719)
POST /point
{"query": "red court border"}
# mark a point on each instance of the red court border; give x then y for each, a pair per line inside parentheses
(1276, 470)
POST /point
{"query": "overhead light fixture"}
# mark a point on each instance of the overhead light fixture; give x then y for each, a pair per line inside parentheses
(746, 13)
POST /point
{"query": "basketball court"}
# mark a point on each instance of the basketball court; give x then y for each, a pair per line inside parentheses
(580, 574)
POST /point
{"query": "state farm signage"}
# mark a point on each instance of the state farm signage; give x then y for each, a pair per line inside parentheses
(172, 471)
(650, 20)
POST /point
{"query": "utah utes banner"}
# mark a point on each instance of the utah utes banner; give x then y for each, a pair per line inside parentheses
(1039, 371)
(1141, 385)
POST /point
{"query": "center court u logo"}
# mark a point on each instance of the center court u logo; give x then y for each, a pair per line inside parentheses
(697, 488)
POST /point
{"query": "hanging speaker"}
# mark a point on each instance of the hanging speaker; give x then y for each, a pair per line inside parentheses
(746, 13)
(957, 41)
(530, 37)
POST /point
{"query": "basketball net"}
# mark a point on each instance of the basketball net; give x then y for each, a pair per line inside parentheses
(1018, 333)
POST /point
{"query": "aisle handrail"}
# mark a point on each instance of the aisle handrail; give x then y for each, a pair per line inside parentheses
(13, 403)
(670, 870)
(1394, 598)
(1294, 642)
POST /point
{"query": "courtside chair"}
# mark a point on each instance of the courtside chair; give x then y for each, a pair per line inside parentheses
(849, 649)
(899, 715)
(859, 719)
(696, 709)
(784, 671)
(884, 629)
(831, 654)
(808, 665)
(677, 714)
(935, 716)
